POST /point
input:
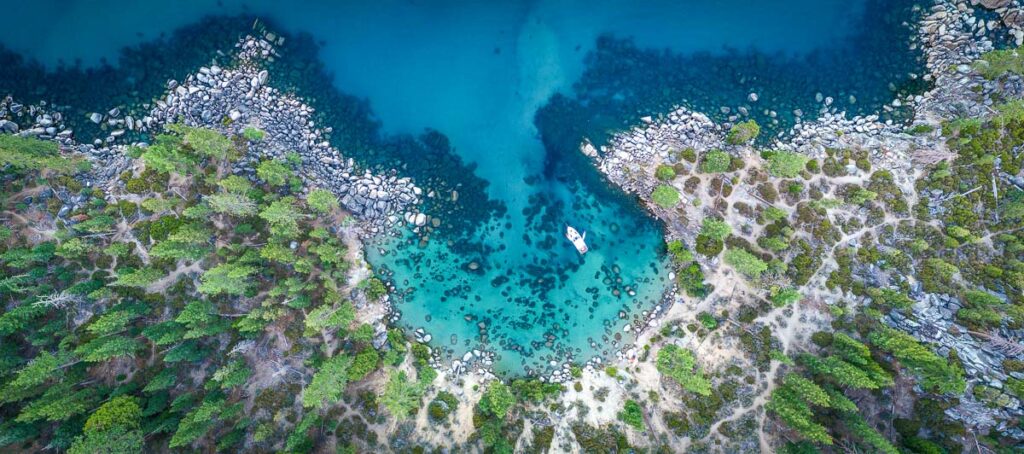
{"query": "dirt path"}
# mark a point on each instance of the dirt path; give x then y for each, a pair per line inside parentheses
(163, 283)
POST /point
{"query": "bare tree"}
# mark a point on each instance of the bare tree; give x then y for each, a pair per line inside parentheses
(59, 300)
(1002, 344)
(929, 157)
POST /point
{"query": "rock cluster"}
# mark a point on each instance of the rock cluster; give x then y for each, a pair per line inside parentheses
(679, 130)
(232, 100)
(33, 121)
(932, 322)
(45, 123)
(473, 360)
(952, 38)
(1010, 14)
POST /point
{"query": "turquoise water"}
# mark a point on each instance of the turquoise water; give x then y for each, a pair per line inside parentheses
(505, 92)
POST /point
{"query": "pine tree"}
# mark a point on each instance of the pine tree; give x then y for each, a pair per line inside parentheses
(497, 399)
(229, 278)
(197, 423)
(328, 384)
(322, 201)
(200, 319)
(795, 412)
(679, 364)
(274, 172)
(935, 373)
(283, 216)
(330, 317)
(204, 141)
(45, 367)
(401, 395)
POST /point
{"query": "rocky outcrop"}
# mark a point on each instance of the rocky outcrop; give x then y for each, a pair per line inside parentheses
(679, 130)
(234, 99)
(931, 321)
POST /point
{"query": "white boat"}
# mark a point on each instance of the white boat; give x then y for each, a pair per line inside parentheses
(577, 239)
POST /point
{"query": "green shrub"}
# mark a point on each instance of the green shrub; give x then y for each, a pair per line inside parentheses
(691, 279)
(822, 338)
(665, 196)
(375, 289)
(715, 228)
(813, 166)
(442, 406)
(772, 214)
(996, 63)
(679, 364)
(707, 320)
(664, 173)
(632, 415)
(137, 186)
(715, 161)
(253, 134)
(859, 196)
(785, 164)
(708, 246)
(785, 297)
(689, 155)
(935, 274)
(679, 253)
(743, 132)
(746, 263)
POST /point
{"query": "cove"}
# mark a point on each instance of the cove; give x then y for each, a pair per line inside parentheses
(508, 90)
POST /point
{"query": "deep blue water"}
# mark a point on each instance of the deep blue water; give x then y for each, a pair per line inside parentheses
(490, 100)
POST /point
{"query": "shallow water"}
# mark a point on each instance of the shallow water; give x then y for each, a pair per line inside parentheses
(512, 88)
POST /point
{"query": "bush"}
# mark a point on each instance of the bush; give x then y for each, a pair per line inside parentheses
(708, 246)
(679, 364)
(253, 134)
(996, 63)
(664, 173)
(715, 228)
(715, 161)
(680, 255)
(665, 196)
(689, 155)
(935, 274)
(746, 263)
(785, 297)
(375, 289)
(859, 196)
(742, 133)
(632, 415)
(442, 406)
(497, 399)
(822, 338)
(707, 320)
(691, 279)
(137, 186)
(785, 164)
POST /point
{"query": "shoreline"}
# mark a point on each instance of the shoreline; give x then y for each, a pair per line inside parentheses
(949, 37)
(323, 160)
(387, 203)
